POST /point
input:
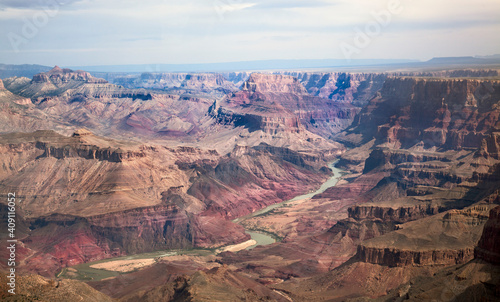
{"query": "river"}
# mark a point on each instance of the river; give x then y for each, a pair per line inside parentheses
(85, 272)
(265, 239)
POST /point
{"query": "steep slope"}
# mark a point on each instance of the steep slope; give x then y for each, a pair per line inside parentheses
(80, 100)
(218, 284)
(279, 103)
(195, 83)
(19, 114)
(37, 288)
(387, 262)
(446, 113)
(477, 280)
(81, 193)
(355, 88)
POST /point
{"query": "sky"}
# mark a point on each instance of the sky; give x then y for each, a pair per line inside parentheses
(116, 32)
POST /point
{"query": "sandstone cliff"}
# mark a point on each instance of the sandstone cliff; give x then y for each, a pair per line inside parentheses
(275, 103)
(444, 239)
(355, 88)
(197, 82)
(73, 84)
(88, 198)
(447, 113)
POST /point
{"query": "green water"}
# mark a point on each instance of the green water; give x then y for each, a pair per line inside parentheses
(265, 239)
(86, 273)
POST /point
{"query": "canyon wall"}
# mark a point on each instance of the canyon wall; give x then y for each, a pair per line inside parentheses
(281, 101)
(355, 88)
(488, 247)
(447, 113)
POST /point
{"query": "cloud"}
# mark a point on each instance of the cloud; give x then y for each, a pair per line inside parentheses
(170, 31)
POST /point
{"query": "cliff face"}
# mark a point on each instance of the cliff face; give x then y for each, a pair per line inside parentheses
(74, 85)
(447, 113)
(267, 83)
(267, 123)
(65, 100)
(274, 103)
(444, 239)
(91, 198)
(399, 215)
(490, 146)
(59, 76)
(488, 247)
(395, 257)
(355, 88)
(202, 82)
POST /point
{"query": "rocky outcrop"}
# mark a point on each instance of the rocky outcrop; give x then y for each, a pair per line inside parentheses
(490, 146)
(445, 239)
(275, 103)
(355, 88)
(87, 152)
(238, 78)
(200, 82)
(76, 86)
(399, 215)
(267, 83)
(488, 247)
(447, 113)
(217, 284)
(388, 158)
(396, 257)
(59, 76)
(37, 288)
(268, 124)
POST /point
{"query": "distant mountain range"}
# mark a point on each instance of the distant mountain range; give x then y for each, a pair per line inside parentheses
(26, 70)
(241, 66)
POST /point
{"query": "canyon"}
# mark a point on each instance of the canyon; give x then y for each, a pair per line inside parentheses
(178, 161)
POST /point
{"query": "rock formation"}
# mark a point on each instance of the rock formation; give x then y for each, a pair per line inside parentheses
(92, 189)
(196, 82)
(277, 103)
(488, 247)
(446, 113)
(355, 88)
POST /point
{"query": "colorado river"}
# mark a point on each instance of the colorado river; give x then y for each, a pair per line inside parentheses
(85, 272)
(265, 239)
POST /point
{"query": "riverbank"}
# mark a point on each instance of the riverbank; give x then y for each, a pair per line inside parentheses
(257, 225)
(269, 225)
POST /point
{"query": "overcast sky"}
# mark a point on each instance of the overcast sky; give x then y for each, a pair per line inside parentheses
(108, 32)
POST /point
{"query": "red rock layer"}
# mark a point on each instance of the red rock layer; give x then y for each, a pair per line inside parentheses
(396, 257)
(447, 113)
(400, 215)
(355, 88)
(279, 103)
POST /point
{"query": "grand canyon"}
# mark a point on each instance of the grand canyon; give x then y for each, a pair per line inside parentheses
(252, 186)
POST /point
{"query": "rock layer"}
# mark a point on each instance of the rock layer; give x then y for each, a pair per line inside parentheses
(488, 247)
(447, 113)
